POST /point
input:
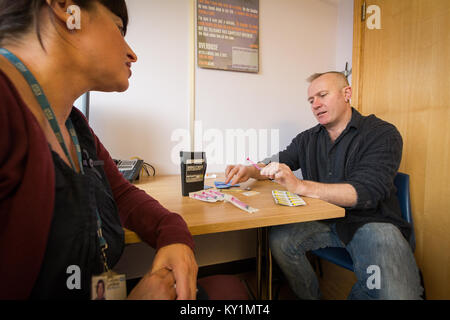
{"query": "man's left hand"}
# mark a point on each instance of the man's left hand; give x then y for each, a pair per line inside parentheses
(283, 175)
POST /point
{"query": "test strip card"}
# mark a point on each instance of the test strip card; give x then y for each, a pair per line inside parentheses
(210, 195)
(286, 198)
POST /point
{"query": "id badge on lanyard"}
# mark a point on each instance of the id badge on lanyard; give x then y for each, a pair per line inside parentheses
(108, 285)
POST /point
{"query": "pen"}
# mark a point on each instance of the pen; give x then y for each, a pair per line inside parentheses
(254, 164)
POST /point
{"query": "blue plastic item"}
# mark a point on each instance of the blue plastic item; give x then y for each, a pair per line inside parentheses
(222, 185)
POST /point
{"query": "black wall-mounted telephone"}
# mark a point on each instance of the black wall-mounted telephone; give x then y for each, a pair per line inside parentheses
(129, 168)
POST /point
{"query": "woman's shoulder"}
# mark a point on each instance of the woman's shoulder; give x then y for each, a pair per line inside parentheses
(9, 101)
(15, 93)
(12, 99)
(14, 109)
(7, 89)
(9, 79)
(18, 125)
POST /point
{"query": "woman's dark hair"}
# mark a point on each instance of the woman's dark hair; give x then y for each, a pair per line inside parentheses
(18, 16)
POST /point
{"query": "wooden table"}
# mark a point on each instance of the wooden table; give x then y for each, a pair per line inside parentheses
(203, 218)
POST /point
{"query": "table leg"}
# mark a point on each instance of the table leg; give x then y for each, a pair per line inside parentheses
(259, 250)
(268, 271)
(264, 275)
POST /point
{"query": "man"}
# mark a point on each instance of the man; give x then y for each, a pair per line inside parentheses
(348, 160)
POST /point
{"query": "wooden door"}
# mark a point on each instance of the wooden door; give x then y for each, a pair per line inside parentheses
(402, 75)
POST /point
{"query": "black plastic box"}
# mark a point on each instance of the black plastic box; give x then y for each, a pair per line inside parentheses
(193, 170)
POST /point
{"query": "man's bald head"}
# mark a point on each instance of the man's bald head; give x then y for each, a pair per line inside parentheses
(338, 78)
(329, 95)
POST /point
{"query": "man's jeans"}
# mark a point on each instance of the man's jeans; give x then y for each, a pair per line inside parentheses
(383, 261)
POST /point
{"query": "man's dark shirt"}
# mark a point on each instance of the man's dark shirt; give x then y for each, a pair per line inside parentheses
(366, 155)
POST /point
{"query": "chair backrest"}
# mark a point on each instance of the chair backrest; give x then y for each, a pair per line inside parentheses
(401, 182)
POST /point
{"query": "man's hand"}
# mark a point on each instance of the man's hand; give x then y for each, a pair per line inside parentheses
(158, 285)
(284, 176)
(181, 260)
(340, 194)
(240, 173)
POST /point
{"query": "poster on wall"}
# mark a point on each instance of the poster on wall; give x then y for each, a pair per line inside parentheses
(228, 35)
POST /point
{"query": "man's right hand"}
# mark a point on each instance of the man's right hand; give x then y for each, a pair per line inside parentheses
(239, 173)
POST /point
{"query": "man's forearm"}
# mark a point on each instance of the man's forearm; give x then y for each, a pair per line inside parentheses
(342, 194)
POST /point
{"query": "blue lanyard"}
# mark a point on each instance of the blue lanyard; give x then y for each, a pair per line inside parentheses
(45, 105)
(50, 115)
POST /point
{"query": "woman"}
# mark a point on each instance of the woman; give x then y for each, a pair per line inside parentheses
(63, 202)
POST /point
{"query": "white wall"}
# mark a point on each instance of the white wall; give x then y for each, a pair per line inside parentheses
(344, 35)
(297, 38)
(140, 121)
(81, 103)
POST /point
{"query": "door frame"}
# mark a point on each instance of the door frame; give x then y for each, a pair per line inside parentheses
(357, 53)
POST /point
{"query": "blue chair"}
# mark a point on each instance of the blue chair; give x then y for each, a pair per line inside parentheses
(341, 257)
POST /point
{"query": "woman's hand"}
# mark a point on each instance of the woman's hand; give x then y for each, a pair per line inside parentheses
(158, 285)
(180, 259)
(173, 276)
